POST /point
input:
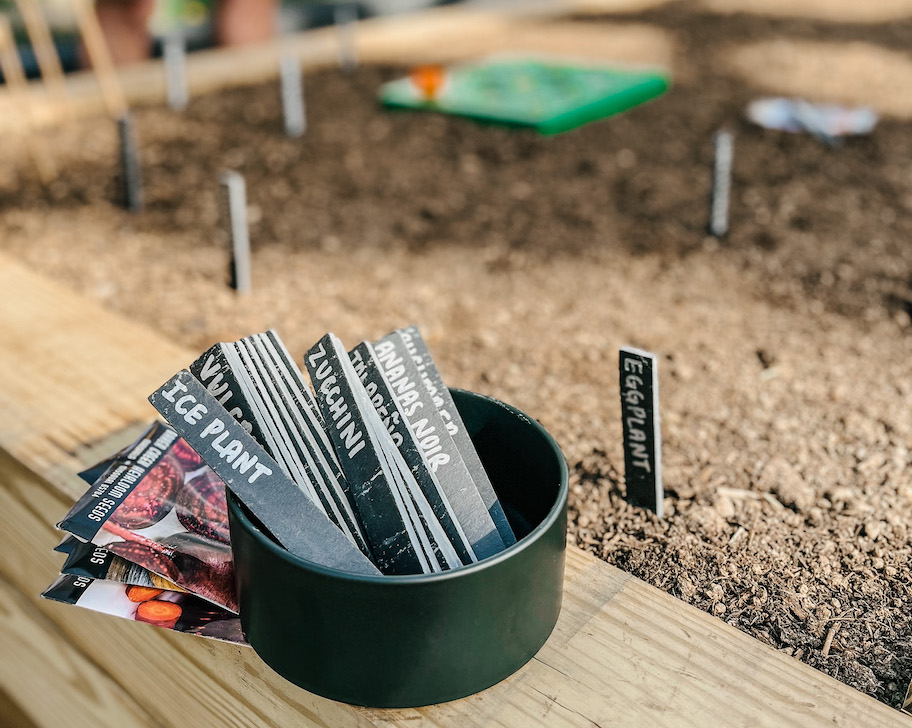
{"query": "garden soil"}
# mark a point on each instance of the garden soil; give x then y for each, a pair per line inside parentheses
(785, 349)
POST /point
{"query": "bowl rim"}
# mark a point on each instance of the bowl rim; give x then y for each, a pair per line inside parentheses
(235, 508)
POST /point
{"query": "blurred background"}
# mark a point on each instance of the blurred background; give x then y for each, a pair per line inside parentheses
(194, 20)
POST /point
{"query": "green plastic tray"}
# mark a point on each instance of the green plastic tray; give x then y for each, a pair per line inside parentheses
(548, 94)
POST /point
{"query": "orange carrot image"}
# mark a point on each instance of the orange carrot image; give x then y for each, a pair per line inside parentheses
(159, 613)
(142, 593)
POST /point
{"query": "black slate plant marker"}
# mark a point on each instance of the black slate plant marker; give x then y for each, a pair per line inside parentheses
(174, 53)
(254, 477)
(365, 364)
(213, 371)
(130, 171)
(642, 435)
(234, 212)
(384, 524)
(345, 17)
(286, 362)
(324, 473)
(433, 382)
(440, 451)
(292, 86)
(723, 144)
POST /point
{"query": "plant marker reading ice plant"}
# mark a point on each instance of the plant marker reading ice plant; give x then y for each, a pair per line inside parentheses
(723, 143)
(254, 476)
(234, 210)
(174, 52)
(293, 110)
(129, 164)
(642, 434)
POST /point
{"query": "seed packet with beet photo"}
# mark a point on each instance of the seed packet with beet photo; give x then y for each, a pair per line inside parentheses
(159, 506)
(96, 562)
(179, 611)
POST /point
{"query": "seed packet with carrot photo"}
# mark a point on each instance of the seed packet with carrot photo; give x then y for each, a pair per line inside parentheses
(159, 506)
(178, 611)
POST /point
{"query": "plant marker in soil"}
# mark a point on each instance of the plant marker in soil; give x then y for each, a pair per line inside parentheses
(293, 110)
(234, 210)
(642, 435)
(129, 164)
(345, 17)
(174, 53)
(723, 143)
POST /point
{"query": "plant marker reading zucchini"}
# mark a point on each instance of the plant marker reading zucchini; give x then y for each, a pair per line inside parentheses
(383, 518)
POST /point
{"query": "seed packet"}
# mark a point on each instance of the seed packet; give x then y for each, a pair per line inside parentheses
(159, 506)
(96, 562)
(178, 611)
(67, 544)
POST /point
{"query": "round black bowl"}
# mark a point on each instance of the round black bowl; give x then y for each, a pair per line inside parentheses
(406, 641)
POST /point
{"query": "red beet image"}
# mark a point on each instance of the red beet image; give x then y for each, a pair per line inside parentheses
(186, 455)
(152, 497)
(202, 509)
(155, 560)
(206, 568)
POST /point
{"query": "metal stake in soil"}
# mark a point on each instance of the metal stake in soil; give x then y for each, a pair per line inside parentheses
(721, 183)
(293, 109)
(174, 52)
(234, 210)
(345, 17)
(642, 435)
(129, 165)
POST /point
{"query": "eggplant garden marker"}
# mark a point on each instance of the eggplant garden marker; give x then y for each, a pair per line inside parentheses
(345, 17)
(293, 109)
(129, 165)
(234, 211)
(723, 143)
(174, 52)
(642, 435)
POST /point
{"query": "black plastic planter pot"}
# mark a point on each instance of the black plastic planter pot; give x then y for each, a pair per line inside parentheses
(406, 641)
